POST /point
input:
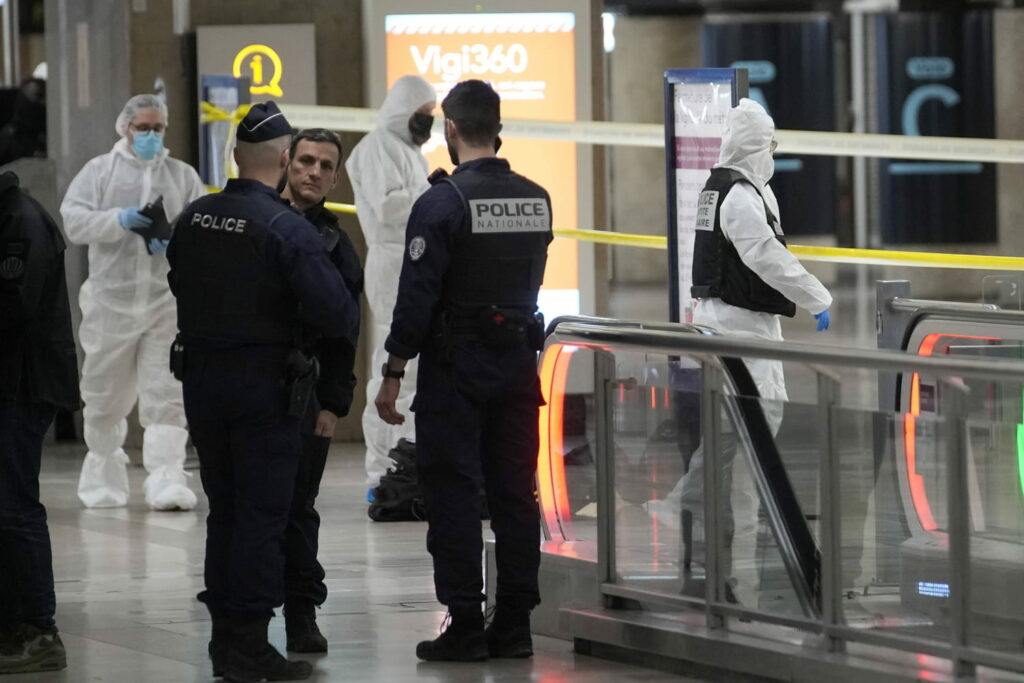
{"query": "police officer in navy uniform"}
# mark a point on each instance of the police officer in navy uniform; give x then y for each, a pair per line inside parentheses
(248, 271)
(313, 169)
(476, 246)
(38, 375)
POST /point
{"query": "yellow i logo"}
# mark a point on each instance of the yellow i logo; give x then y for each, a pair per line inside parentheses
(256, 65)
(260, 84)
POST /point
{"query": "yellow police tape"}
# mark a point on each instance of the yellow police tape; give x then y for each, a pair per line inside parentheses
(804, 142)
(209, 113)
(336, 207)
(807, 142)
(920, 259)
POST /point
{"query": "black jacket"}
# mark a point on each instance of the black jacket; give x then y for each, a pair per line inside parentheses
(37, 348)
(337, 356)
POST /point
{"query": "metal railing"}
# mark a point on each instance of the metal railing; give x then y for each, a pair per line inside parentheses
(606, 336)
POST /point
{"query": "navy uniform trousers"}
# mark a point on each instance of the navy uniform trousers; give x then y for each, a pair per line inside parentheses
(303, 573)
(476, 419)
(26, 567)
(248, 447)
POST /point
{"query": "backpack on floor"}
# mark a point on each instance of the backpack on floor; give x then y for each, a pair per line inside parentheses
(397, 498)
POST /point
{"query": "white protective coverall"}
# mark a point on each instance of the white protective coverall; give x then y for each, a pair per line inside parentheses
(746, 148)
(388, 173)
(129, 320)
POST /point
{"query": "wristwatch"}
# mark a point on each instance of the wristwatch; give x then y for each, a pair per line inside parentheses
(389, 373)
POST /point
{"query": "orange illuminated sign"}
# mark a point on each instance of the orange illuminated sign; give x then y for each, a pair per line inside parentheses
(530, 60)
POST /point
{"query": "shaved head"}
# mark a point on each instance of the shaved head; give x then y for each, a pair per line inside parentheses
(260, 157)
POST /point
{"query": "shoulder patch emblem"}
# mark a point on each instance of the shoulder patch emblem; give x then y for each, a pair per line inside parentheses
(417, 246)
(12, 268)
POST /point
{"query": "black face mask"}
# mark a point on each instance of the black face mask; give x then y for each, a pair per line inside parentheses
(419, 127)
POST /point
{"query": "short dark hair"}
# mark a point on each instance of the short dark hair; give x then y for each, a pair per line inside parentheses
(316, 135)
(475, 109)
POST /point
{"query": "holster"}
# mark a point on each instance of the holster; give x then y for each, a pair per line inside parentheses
(177, 359)
(443, 337)
(505, 328)
(301, 374)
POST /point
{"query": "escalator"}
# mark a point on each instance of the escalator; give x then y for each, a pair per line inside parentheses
(617, 397)
(995, 457)
(779, 510)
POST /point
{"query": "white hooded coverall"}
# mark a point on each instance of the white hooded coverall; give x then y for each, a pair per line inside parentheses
(746, 148)
(388, 173)
(129, 320)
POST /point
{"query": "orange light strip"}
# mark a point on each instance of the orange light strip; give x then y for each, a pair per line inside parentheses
(918, 491)
(551, 484)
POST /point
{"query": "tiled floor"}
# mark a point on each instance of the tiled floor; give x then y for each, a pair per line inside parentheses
(127, 579)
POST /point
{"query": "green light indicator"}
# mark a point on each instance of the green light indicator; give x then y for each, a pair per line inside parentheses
(1020, 447)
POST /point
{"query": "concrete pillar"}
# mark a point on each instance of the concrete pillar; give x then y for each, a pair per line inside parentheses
(1007, 54)
(644, 48)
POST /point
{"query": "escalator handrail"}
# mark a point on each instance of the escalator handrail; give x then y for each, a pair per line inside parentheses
(674, 338)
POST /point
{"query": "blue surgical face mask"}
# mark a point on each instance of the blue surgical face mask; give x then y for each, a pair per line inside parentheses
(147, 145)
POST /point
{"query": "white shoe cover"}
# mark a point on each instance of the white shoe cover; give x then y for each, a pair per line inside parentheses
(103, 482)
(166, 490)
(665, 513)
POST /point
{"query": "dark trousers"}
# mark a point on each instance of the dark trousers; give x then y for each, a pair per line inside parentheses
(303, 573)
(476, 420)
(26, 561)
(248, 454)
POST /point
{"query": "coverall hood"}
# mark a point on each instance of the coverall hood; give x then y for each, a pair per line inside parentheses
(408, 94)
(746, 143)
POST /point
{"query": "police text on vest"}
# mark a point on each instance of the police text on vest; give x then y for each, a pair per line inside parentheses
(706, 209)
(528, 214)
(223, 223)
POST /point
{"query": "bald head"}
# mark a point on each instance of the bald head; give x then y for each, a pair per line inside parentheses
(259, 159)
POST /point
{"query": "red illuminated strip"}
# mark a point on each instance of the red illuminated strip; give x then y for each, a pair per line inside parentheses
(551, 485)
(918, 491)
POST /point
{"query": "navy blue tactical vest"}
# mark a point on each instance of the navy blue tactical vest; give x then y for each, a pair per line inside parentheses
(499, 255)
(718, 270)
(226, 289)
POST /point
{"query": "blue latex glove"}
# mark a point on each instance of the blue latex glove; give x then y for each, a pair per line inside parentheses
(132, 218)
(158, 246)
(823, 320)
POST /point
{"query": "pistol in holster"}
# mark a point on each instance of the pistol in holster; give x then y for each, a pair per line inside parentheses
(177, 359)
(301, 374)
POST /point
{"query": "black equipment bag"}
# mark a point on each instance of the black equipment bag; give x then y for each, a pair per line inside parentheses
(397, 498)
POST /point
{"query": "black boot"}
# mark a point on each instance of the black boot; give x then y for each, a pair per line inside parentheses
(220, 639)
(508, 635)
(300, 626)
(462, 641)
(251, 658)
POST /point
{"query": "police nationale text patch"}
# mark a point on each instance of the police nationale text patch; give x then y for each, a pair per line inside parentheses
(706, 209)
(417, 246)
(509, 215)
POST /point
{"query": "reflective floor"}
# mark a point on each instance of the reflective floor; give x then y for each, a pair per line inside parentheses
(126, 581)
